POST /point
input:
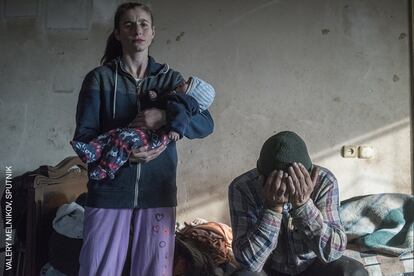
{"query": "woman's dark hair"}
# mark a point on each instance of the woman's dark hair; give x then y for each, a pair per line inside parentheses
(113, 47)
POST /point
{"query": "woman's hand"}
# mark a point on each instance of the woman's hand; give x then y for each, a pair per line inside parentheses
(300, 184)
(142, 155)
(275, 191)
(152, 118)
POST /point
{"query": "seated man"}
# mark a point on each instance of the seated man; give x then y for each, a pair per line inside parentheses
(284, 215)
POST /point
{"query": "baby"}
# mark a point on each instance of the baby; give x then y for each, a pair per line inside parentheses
(187, 99)
(108, 152)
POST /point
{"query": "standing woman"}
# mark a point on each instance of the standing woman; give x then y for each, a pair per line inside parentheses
(143, 194)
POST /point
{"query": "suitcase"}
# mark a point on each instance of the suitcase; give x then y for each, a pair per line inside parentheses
(61, 184)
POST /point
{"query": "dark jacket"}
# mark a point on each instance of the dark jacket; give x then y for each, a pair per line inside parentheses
(108, 100)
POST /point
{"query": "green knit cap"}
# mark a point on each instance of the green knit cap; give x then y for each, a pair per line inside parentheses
(280, 151)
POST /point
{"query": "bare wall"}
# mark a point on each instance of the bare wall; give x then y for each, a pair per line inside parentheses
(336, 72)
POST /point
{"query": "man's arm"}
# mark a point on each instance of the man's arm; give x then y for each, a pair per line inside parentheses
(319, 222)
(255, 232)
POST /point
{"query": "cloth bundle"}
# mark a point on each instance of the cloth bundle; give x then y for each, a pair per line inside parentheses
(382, 223)
(214, 237)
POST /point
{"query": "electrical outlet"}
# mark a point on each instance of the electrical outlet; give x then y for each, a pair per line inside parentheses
(366, 152)
(349, 151)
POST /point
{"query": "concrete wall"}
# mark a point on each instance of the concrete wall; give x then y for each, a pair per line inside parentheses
(336, 72)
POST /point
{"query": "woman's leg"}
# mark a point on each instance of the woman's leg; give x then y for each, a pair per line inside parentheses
(152, 249)
(105, 241)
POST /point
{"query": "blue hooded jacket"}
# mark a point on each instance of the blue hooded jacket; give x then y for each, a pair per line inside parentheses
(109, 99)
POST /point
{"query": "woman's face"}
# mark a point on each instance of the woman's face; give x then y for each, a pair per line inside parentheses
(135, 31)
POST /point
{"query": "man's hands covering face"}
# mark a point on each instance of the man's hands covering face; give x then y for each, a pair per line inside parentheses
(275, 191)
(295, 187)
(300, 184)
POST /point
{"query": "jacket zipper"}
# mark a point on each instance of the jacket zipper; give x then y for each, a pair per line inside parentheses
(136, 186)
(138, 86)
(136, 192)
